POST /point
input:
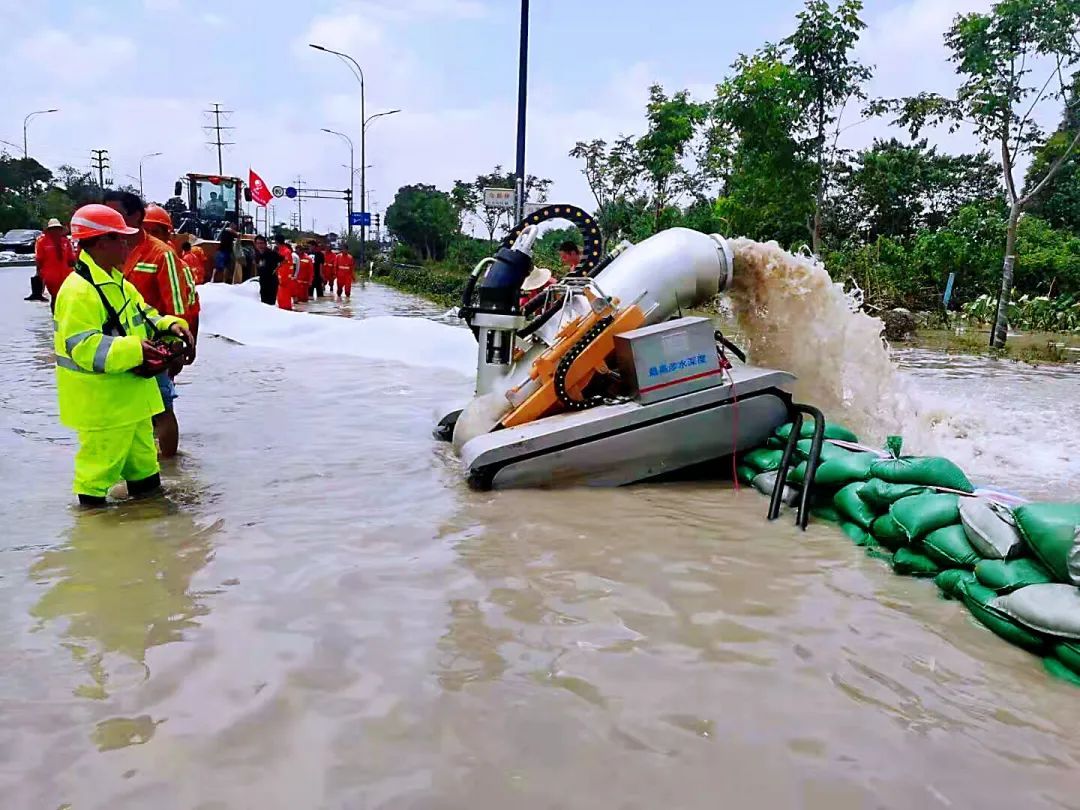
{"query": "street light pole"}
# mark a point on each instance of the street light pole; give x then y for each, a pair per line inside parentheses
(523, 83)
(144, 157)
(352, 173)
(25, 124)
(359, 73)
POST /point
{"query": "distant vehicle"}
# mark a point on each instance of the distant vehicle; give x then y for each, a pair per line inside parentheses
(211, 201)
(20, 240)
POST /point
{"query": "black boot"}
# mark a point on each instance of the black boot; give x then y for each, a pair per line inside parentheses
(91, 501)
(144, 487)
(37, 289)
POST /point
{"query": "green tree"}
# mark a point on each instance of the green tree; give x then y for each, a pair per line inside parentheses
(895, 189)
(493, 218)
(767, 177)
(1059, 201)
(466, 199)
(611, 173)
(673, 122)
(820, 53)
(423, 218)
(996, 54)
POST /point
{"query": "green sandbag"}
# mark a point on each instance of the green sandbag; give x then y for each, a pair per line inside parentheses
(978, 599)
(1050, 529)
(1004, 577)
(852, 507)
(926, 470)
(918, 515)
(745, 473)
(763, 460)
(1068, 652)
(952, 580)
(888, 532)
(875, 553)
(832, 431)
(1060, 670)
(797, 474)
(949, 548)
(911, 563)
(883, 494)
(826, 513)
(842, 470)
(775, 443)
(828, 451)
(859, 536)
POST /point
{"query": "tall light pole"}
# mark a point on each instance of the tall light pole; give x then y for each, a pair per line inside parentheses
(359, 74)
(523, 84)
(352, 172)
(144, 157)
(25, 124)
(368, 122)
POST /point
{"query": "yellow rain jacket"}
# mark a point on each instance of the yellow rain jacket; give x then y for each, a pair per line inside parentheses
(94, 358)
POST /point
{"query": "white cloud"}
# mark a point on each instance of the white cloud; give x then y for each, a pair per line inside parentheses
(75, 60)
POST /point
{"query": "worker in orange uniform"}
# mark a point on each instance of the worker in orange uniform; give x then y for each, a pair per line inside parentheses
(153, 268)
(195, 258)
(329, 269)
(158, 224)
(306, 277)
(346, 269)
(284, 273)
(54, 257)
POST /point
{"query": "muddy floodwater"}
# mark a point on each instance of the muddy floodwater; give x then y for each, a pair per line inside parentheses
(321, 615)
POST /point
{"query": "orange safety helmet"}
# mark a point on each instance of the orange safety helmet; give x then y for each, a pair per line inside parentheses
(98, 220)
(156, 215)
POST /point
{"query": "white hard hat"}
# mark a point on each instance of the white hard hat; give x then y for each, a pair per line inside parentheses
(536, 279)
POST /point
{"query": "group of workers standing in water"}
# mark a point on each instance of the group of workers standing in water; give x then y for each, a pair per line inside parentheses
(125, 308)
(289, 275)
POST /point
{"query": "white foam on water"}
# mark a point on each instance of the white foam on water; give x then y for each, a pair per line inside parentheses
(796, 318)
(236, 313)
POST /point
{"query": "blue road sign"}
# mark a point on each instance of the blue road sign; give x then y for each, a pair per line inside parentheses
(290, 192)
(948, 289)
(361, 218)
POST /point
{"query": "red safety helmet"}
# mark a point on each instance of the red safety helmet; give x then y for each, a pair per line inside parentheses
(98, 220)
(156, 215)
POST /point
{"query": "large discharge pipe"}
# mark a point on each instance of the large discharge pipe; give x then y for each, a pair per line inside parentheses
(673, 270)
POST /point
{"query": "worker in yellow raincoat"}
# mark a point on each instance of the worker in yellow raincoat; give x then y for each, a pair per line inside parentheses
(103, 356)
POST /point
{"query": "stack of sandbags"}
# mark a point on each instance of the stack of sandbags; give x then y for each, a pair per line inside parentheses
(1017, 571)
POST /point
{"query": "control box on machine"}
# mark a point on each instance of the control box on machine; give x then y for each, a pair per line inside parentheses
(669, 359)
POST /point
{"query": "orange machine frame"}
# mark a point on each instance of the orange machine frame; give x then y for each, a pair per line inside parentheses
(593, 360)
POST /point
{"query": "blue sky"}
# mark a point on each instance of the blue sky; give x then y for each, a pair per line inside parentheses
(134, 75)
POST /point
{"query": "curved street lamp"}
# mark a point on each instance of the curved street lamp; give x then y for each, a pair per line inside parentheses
(352, 171)
(144, 157)
(26, 124)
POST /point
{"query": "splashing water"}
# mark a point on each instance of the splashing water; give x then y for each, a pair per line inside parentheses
(795, 317)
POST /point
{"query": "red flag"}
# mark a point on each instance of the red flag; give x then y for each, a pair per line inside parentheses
(259, 192)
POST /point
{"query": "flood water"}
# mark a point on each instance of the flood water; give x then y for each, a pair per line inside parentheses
(321, 615)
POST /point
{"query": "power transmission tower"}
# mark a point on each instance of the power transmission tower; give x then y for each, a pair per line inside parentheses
(99, 159)
(216, 130)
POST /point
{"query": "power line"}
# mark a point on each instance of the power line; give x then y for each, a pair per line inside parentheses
(216, 128)
(99, 159)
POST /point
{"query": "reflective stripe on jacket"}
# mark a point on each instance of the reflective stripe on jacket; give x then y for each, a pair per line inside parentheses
(154, 268)
(94, 385)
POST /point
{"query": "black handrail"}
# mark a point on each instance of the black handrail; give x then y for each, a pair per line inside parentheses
(818, 439)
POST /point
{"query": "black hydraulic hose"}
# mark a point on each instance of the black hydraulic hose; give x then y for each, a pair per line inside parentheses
(782, 471)
(727, 344)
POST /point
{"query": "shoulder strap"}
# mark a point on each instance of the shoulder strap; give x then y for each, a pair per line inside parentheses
(113, 324)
